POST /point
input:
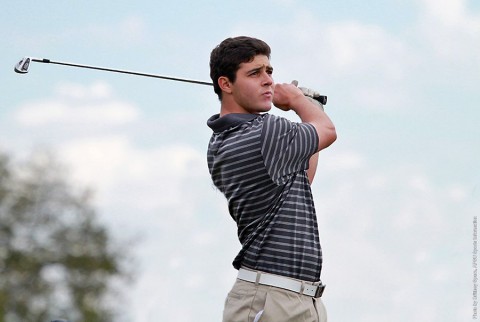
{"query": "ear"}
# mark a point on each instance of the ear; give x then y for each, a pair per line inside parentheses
(225, 84)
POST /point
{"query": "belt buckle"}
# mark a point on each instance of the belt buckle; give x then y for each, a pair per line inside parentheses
(319, 291)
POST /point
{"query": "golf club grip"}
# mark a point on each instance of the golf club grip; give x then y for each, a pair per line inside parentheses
(322, 99)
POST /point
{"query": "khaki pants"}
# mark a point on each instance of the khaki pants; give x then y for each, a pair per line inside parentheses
(246, 301)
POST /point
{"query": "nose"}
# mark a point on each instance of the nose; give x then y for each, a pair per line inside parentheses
(267, 79)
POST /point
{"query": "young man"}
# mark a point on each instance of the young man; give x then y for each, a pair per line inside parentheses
(264, 165)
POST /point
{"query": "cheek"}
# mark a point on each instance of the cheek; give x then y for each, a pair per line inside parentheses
(247, 92)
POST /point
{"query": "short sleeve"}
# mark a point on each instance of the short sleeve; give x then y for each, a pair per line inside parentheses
(287, 146)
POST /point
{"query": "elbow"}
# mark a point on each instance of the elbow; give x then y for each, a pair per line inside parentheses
(333, 135)
(327, 138)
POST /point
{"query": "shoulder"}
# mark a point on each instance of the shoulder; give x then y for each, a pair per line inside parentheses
(281, 124)
(275, 121)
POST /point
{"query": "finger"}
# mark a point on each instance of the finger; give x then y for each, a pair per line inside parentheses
(306, 91)
(309, 92)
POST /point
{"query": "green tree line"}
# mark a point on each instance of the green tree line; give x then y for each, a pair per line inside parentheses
(56, 259)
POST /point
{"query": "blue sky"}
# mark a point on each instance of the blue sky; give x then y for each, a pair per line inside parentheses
(395, 195)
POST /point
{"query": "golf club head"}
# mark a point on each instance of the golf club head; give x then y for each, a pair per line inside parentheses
(22, 66)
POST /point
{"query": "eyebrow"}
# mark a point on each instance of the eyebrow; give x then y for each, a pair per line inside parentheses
(268, 68)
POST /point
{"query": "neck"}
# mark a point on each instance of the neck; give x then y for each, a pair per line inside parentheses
(229, 106)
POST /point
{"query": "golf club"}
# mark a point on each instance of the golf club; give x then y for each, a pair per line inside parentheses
(22, 68)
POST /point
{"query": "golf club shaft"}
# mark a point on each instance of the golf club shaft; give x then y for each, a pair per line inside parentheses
(48, 61)
(23, 65)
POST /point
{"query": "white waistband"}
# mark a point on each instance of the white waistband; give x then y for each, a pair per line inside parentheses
(305, 288)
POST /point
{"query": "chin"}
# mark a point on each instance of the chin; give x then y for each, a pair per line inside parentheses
(267, 108)
(262, 111)
(259, 110)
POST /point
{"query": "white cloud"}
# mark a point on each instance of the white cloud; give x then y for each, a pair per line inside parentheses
(96, 161)
(74, 104)
(387, 239)
(452, 31)
(420, 184)
(145, 179)
(355, 48)
(447, 12)
(457, 193)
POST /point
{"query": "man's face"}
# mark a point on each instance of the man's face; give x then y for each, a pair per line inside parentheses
(253, 87)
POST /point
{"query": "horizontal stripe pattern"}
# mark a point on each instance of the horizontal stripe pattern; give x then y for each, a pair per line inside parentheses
(259, 164)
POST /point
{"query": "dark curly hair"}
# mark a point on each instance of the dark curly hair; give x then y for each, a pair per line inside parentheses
(226, 58)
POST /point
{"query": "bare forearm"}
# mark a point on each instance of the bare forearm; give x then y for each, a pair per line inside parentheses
(289, 97)
(310, 112)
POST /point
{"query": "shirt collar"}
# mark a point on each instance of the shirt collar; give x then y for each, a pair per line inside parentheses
(220, 124)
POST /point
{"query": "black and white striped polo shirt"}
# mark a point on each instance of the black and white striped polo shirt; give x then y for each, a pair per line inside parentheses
(259, 163)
